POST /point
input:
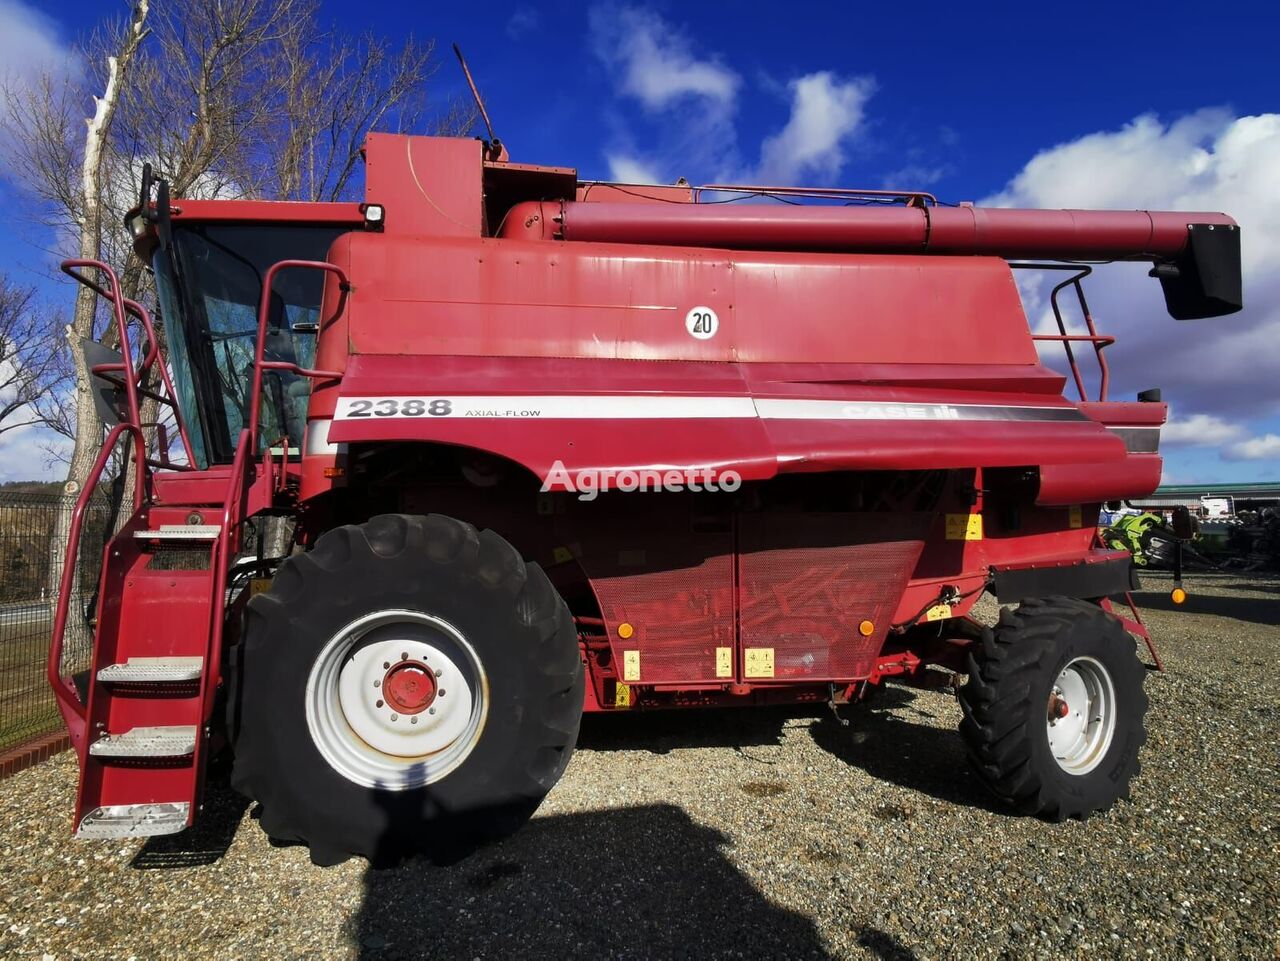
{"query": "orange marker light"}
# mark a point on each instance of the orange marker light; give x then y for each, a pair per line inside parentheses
(335, 471)
(1178, 595)
(625, 630)
(866, 628)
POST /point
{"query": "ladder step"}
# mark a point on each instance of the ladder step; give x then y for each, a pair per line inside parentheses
(152, 670)
(134, 820)
(180, 532)
(147, 742)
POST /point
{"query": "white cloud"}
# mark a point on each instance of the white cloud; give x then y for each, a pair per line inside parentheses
(30, 44)
(655, 60)
(1255, 448)
(523, 21)
(913, 177)
(1228, 367)
(692, 97)
(1199, 430)
(689, 100)
(825, 113)
(33, 453)
(631, 170)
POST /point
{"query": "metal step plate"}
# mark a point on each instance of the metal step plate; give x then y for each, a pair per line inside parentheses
(147, 742)
(152, 670)
(180, 532)
(134, 820)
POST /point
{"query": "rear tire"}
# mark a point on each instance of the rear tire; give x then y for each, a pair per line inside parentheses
(1054, 708)
(482, 660)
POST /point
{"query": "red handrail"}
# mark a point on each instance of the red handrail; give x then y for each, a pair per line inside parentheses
(1099, 341)
(68, 702)
(259, 365)
(133, 379)
(114, 297)
(231, 511)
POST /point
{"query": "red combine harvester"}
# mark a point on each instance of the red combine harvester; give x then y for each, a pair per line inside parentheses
(458, 397)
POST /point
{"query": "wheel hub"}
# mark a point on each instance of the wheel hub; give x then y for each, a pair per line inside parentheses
(409, 687)
(1081, 718)
(396, 700)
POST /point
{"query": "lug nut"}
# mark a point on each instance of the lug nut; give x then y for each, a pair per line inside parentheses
(431, 710)
(395, 717)
(441, 692)
(379, 704)
(404, 656)
(413, 720)
(438, 672)
(377, 683)
(386, 665)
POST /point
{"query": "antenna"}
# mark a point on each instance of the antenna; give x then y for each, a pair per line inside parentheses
(493, 145)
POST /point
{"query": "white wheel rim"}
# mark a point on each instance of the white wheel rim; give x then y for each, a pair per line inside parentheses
(396, 699)
(1081, 721)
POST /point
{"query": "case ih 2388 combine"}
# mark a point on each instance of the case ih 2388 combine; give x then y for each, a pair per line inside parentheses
(840, 396)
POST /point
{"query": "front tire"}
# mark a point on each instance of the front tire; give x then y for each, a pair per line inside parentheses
(408, 685)
(1054, 708)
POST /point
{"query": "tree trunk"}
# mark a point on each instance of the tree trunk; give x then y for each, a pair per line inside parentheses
(88, 438)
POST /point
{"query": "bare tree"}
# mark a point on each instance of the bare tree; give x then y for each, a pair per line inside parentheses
(333, 91)
(228, 98)
(87, 210)
(256, 98)
(32, 373)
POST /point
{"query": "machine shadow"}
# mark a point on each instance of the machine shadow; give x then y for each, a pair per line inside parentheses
(1257, 610)
(641, 881)
(660, 732)
(208, 839)
(919, 757)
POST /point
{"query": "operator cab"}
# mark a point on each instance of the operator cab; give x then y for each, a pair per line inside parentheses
(209, 283)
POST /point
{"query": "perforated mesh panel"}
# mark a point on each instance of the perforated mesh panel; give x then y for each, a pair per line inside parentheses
(679, 615)
(653, 568)
(807, 581)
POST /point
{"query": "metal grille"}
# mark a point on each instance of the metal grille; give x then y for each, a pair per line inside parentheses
(680, 616)
(28, 523)
(672, 585)
(807, 581)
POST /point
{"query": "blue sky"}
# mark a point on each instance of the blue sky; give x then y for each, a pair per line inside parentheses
(1113, 105)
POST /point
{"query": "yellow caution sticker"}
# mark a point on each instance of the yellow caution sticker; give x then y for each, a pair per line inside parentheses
(1077, 516)
(562, 555)
(724, 662)
(758, 662)
(631, 665)
(964, 527)
(622, 695)
(938, 612)
(258, 585)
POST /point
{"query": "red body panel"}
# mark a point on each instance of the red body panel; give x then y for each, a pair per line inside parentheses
(416, 296)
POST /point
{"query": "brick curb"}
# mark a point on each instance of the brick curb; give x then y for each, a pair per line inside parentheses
(32, 752)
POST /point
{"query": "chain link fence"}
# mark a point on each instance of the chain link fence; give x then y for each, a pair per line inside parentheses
(28, 557)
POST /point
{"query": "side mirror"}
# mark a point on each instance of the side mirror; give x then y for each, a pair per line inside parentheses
(108, 396)
(1184, 526)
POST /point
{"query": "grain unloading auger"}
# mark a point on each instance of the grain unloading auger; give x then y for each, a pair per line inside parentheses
(542, 446)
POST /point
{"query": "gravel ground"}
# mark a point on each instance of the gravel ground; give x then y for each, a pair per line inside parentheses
(742, 834)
